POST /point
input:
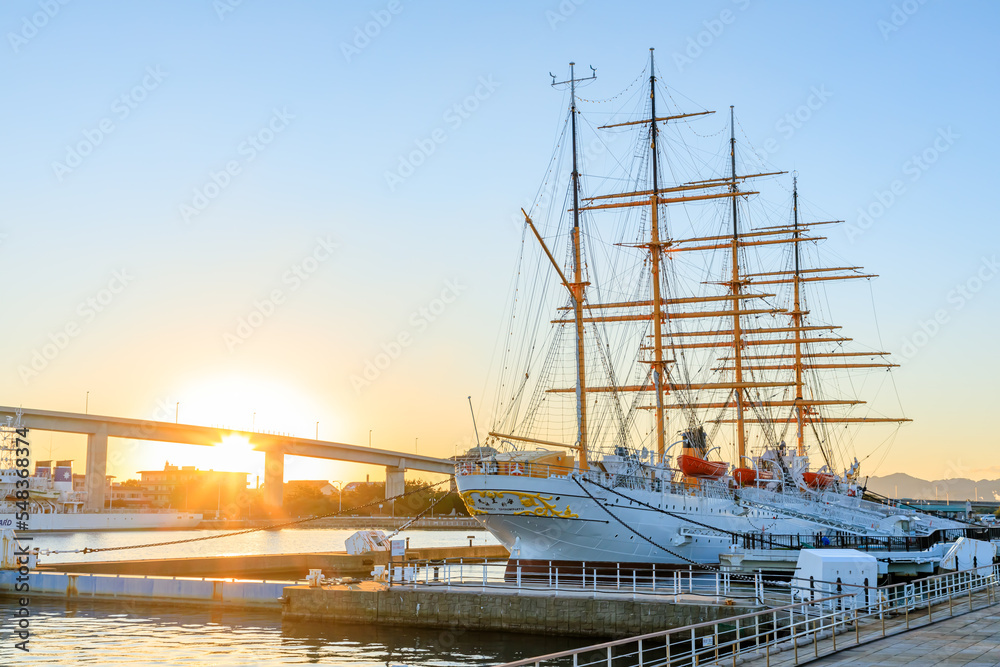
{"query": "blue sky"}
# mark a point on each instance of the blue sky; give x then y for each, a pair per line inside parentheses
(286, 121)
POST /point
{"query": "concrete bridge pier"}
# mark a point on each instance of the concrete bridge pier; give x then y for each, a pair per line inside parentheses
(97, 467)
(274, 478)
(394, 481)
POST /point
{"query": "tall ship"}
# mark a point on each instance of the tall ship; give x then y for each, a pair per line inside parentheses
(46, 500)
(671, 380)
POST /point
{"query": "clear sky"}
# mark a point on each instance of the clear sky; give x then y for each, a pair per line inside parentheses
(203, 202)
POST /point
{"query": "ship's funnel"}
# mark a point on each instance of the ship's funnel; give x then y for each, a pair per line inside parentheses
(63, 475)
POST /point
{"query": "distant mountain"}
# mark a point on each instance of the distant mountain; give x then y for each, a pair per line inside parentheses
(900, 485)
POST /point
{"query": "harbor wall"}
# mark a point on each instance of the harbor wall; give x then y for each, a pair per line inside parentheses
(232, 594)
(562, 614)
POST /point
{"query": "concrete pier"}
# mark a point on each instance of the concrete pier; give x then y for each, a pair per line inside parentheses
(97, 467)
(578, 614)
(273, 566)
(274, 477)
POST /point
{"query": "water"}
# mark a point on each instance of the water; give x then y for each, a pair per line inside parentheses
(287, 540)
(108, 633)
(101, 633)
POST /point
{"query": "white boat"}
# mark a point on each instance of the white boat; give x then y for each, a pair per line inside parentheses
(47, 502)
(709, 337)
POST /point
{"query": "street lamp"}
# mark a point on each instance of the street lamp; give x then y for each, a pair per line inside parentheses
(340, 495)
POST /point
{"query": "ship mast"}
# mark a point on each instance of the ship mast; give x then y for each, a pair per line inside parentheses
(797, 323)
(659, 369)
(578, 285)
(735, 287)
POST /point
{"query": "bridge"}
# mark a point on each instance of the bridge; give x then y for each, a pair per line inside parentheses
(99, 428)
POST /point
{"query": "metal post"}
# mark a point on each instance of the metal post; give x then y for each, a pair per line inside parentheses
(881, 614)
(557, 578)
(654, 576)
(618, 576)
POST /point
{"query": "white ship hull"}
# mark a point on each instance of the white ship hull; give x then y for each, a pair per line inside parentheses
(77, 521)
(556, 519)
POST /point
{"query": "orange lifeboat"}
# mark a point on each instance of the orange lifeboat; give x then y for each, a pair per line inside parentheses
(745, 476)
(692, 466)
(818, 480)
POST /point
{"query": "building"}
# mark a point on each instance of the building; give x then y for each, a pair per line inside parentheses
(211, 492)
(116, 494)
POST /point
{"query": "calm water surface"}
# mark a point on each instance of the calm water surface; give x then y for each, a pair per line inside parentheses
(106, 633)
(89, 633)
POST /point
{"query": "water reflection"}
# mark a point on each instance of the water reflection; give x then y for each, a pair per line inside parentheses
(105, 633)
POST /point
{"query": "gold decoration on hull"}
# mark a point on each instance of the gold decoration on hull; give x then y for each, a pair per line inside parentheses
(534, 504)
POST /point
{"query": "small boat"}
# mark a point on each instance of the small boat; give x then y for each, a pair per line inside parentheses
(745, 476)
(692, 466)
(818, 480)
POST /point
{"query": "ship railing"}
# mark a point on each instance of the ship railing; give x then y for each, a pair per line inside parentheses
(798, 505)
(864, 542)
(822, 623)
(657, 480)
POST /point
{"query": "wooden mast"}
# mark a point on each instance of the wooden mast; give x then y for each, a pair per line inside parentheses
(797, 324)
(659, 368)
(735, 286)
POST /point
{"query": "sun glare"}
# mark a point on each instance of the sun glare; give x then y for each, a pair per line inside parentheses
(234, 453)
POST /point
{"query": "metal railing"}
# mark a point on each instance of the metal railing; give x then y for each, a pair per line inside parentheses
(669, 582)
(809, 628)
(865, 542)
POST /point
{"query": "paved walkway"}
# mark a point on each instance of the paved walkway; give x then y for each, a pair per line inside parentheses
(971, 639)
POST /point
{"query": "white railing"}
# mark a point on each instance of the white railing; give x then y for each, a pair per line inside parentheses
(864, 613)
(671, 583)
